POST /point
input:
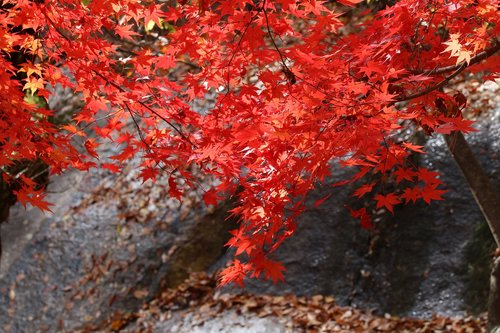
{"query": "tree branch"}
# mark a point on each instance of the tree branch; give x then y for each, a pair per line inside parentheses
(456, 68)
(182, 135)
(434, 87)
(474, 60)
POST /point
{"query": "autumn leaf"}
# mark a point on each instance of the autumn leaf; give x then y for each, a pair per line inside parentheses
(147, 173)
(453, 45)
(90, 146)
(457, 50)
(173, 189)
(463, 125)
(350, 3)
(36, 198)
(33, 84)
(363, 216)
(428, 176)
(430, 192)
(211, 197)
(321, 200)
(241, 242)
(240, 93)
(111, 167)
(235, 272)
(404, 173)
(272, 270)
(413, 147)
(363, 189)
(411, 194)
(387, 201)
(125, 31)
(73, 129)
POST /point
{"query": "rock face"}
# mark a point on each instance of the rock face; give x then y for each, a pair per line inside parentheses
(411, 266)
(113, 243)
(103, 252)
(416, 263)
(228, 322)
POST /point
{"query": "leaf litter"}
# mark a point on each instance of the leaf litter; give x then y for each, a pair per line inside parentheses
(199, 299)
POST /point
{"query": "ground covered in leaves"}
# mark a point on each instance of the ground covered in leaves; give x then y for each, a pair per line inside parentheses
(199, 301)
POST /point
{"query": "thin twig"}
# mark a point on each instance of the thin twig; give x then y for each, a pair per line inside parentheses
(182, 135)
(474, 60)
(272, 39)
(437, 86)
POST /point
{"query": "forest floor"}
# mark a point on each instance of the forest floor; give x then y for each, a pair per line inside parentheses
(197, 304)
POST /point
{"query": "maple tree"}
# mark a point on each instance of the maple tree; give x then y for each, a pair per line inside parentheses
(294, 90)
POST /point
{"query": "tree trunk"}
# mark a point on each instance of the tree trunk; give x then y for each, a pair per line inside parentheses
(488, 201)
(494, 301)
(6, 201)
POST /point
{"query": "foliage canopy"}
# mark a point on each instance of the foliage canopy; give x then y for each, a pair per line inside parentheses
(296, 86)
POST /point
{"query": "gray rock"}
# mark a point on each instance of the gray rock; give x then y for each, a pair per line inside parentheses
(114, 242)
(106, 250)
(227, 322)
(414, 265)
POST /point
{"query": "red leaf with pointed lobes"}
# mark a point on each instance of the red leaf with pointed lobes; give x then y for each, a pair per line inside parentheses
(350, 3)
(269, 268)
(211, 198)
(71, 128)
(430, 177)
(33, 197)
(111, 167)
(125, 31)
(413, 147)
(363, 216)
(463, 125)
(148, 173)
(412, 194)
(90, 146)
(320, 201)
(173, 190)
(235, 273)
(364, 189)
(404, 173)
(387, 201)
(430, 192)
(241, 242)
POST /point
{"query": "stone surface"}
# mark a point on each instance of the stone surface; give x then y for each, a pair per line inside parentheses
(113, 241)
(227, 322)
(111, 244)
(414, 264)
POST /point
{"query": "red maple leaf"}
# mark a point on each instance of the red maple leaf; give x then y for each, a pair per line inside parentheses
(211, 197)
(90, 146)
(363, 189)
(404, 173)
(364, 217)
(173, 190)
(413, 147)
(111, 167)
(148, 172)
(430, 177)
(269, 268)
(321, 200)
(235, 272)
(125, 31)
(387, 201)
(36, 198)
(430, 192)
(412, 194)
(288, 101)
